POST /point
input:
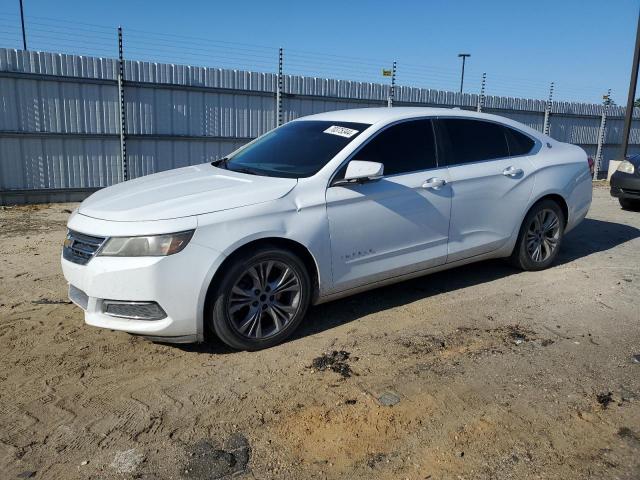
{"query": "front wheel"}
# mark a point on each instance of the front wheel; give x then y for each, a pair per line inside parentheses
(261, 299)
(628, 204)
(540, 236)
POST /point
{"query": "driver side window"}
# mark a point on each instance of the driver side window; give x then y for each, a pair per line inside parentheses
(402, 148)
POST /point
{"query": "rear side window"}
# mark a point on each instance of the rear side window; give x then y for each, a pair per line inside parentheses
(519, 143)
(402, 148)
(466, 141)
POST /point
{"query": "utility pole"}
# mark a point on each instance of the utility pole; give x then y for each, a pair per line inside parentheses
(632, 95)
(464, 58)
(24, 35)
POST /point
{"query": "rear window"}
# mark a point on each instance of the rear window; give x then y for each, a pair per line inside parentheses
(297, 149)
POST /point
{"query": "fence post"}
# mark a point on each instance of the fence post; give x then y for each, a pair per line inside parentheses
(123, 121)
(601, 134)
(279, 89)
(392, 93)
(481, 96)
(547, 112)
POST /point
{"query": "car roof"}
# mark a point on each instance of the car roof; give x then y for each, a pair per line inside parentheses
(388, 115)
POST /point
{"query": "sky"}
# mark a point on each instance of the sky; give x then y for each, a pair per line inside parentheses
(584, 47)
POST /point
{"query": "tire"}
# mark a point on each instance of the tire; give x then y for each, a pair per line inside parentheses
(628, 204)
(251, 313)
(547, 238)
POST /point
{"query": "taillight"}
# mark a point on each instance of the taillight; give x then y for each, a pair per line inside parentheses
(592, 165)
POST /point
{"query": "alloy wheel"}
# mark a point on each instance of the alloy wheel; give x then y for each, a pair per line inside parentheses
(543, 235)
(265, 299)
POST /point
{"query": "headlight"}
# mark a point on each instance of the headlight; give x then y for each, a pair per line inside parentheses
(626, 166)
(150, 246)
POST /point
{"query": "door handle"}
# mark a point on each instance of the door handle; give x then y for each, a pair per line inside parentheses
(434, 183)
(512, 171)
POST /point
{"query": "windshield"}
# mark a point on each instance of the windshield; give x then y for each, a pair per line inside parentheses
(297, 149)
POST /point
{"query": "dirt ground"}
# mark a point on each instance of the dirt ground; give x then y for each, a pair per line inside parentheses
(476, 373)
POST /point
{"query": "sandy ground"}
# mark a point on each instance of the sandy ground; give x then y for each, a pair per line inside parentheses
(476, 373)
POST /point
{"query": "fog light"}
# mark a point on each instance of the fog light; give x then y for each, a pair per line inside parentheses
(133, 310)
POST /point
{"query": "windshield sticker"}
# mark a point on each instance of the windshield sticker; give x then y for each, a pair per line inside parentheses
(341, 131)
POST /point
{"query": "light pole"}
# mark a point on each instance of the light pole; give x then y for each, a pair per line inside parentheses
(464, 58)
(628, 117)
(24, 35)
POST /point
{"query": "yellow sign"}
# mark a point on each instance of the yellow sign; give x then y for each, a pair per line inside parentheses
(387, 73)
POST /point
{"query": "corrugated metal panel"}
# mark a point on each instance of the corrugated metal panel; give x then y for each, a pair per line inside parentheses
(32, 163)
(614, 131)
(45, 63)
(529, 118)
(150, 156)
(186, 75)
(60, 116)
(172, 111)
(60, 107)
(579, 130)
(106, 68)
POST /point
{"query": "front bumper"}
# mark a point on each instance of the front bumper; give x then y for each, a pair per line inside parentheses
(177, 283)
(625, 185)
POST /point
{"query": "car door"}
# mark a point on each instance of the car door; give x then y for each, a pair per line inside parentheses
(490, 184)
(397, 224)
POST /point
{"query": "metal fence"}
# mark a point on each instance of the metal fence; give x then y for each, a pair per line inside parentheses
(62, 117)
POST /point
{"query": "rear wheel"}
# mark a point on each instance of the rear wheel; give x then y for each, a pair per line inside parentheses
(540, 236)
(629, 204)
(262, 298)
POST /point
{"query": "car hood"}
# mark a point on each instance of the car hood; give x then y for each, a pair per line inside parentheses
(181, 193)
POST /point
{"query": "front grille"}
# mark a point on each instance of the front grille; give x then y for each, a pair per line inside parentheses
(80, 248)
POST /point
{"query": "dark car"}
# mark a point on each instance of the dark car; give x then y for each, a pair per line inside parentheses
(625, 183)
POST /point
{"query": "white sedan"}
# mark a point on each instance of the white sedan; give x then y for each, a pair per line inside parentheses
(323, 207)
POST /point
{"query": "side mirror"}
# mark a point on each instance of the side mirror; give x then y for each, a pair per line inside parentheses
(361, 171)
